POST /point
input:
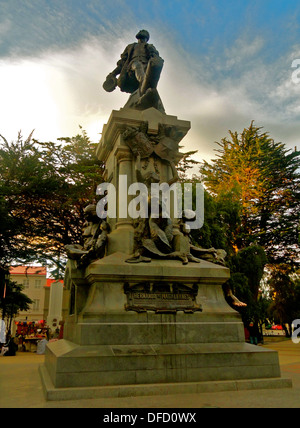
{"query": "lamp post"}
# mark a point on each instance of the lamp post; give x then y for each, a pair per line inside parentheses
(6, 280)
(12, 291)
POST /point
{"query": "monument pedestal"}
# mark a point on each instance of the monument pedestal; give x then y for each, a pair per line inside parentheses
(116, 343)
(149, 328)
(120, 161)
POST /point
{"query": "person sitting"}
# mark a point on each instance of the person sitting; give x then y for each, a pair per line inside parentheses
(9, 349)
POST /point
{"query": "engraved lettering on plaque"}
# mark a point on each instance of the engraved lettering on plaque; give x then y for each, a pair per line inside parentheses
(161, 297)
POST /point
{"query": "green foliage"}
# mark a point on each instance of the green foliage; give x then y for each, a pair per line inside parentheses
(187, 162)
(263, 177)
(44, 187)
(254, 186)
(221, 216)
(15, 300)
(251, 208)
(285, 288)
(247, 269)
(250, 262)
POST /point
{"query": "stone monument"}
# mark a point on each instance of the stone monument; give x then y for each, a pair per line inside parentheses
(147, 312)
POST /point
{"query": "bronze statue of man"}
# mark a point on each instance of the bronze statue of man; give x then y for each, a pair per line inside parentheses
(139, 70)
(94, 235)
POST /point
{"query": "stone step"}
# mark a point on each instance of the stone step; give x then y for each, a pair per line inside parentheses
(76, 393)
(71, 365)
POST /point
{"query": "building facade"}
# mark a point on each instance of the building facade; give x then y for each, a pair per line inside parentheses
(50, 299)
(34, 280)
(56, 302)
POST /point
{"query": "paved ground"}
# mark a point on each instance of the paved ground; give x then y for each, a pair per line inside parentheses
(20, 387)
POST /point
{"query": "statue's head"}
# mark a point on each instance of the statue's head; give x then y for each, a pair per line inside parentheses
(188, 215)
(143, 34)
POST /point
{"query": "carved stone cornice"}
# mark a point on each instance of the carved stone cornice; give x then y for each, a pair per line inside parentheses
(120, 119)
(123, 154)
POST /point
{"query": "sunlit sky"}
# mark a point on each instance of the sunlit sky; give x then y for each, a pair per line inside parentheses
(226, 63)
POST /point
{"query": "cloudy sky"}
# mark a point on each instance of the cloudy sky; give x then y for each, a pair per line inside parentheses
(227, 62)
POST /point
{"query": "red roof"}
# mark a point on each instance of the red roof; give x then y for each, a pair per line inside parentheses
(28, 270)
(50, 280)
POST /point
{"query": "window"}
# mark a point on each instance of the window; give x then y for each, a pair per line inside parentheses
(26, 283)
(37, 283)
(36, 305)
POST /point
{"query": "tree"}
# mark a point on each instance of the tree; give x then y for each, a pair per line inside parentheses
(44, 187)
(247, 269)
(13, 301)
(250, 262)
(221, 217)
(187, 162)
(263, 178)
(285, 289)
(221, 214)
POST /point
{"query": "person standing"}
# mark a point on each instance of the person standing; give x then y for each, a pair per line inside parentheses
(2, 331)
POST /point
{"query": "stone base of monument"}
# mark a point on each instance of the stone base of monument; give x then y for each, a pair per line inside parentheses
(155, 328)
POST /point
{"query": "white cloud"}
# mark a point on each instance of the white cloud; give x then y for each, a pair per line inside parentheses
(5, 27)
(242, 52)
(55, 92)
